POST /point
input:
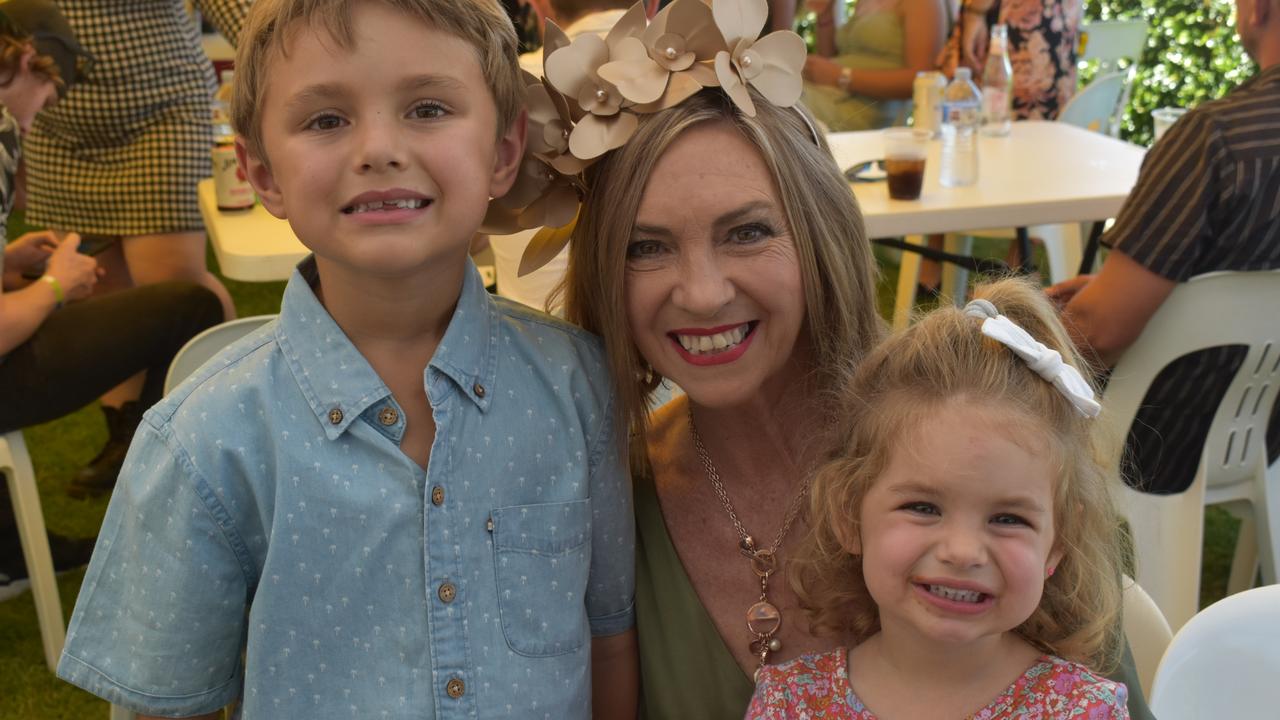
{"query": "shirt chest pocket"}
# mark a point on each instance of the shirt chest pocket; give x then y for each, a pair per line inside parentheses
(541, 557)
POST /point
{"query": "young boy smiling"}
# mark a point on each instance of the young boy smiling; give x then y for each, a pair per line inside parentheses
(403, 498)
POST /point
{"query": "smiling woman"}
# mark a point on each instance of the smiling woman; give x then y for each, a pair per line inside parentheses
(725, 253)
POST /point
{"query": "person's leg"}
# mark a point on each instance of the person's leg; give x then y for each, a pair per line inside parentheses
(89, 347)
(174, 256)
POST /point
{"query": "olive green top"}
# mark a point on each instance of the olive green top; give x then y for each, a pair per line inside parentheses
(868, 41)
(686, 671)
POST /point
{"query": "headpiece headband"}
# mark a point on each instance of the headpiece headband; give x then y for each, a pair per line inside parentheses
(594, 89)
(1046, 362)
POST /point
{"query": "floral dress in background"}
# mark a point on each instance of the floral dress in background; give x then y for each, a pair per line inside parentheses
(817, 687)
(1043, 38)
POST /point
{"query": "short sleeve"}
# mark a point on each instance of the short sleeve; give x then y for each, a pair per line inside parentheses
(160, 620)
(772, 696)
(1101, 699)
(611, 586)
(1167, 223)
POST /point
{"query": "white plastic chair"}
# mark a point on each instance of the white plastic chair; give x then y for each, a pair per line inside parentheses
(195, 353)
(1146, 630)
(1228, 308)
(1109, 43)
(1095, 106)
(1225, 662)
(200, 348)
(15, 465)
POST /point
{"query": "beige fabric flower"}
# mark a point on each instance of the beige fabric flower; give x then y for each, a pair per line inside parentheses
(771, 65)
(670, 60)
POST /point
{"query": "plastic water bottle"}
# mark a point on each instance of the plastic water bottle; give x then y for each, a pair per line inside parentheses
(961, 116)
(997, 85)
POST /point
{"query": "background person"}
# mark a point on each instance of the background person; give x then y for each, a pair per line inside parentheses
(56, 359)
(1207, 199)
(862, 75)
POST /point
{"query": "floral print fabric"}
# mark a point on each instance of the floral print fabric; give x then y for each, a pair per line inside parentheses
(817, 687)
(1043, 38)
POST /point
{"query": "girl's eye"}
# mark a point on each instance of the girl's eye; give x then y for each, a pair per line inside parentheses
(748, 234)
(641, 249)
(1010, 520)
(427, 111)
(325, 122)
(921, 508)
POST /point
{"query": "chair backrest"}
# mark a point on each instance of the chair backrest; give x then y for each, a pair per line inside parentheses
(1111, 41)
(1146, 630)
(1225, 662)
(1212, 310)
(1097, 106)
(200, 348)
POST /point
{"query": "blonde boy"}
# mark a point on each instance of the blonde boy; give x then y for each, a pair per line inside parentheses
(404, 498)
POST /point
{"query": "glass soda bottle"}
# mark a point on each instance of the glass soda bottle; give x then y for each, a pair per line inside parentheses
(961, 116)
(997, 85)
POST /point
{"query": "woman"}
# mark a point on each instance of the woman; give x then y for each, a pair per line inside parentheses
(863, 73)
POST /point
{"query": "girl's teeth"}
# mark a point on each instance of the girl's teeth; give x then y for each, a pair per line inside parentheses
(699, 344)
(970, 596)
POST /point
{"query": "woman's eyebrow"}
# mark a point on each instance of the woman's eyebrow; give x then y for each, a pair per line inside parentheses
(749, 210)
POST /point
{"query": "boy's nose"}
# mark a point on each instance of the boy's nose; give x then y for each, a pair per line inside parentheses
(381, 147)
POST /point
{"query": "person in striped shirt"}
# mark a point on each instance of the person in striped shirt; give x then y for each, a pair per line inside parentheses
(1207, 199)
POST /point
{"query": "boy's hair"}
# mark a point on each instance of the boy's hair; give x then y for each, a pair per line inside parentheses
(11, 49)
(945, 358)
(481, 23)
(836, 265)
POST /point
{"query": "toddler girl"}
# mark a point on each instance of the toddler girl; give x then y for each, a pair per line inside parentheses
(963, 536)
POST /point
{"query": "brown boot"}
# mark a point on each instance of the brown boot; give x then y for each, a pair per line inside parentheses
(99, 476)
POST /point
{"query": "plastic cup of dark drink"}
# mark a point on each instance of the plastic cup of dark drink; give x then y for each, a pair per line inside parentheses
(904, 153)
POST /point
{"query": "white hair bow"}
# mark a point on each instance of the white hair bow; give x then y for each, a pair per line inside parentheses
(1046, 362)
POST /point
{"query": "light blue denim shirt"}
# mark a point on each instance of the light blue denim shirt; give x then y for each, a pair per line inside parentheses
(265, 506)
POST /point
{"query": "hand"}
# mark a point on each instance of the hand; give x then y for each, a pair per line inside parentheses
(1062, 292)
(821, 71)
(28, 251)
(973, 42)
(76, 273)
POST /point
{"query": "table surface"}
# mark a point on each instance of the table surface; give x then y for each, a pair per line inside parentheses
(1041, 173)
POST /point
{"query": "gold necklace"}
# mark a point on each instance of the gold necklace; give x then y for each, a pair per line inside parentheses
(763, 618)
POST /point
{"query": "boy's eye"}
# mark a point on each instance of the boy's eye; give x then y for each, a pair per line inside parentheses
(427, 111)
(325, 122)
(921, 508)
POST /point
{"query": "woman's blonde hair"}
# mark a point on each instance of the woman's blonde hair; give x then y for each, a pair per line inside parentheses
(836, 265)
(483, 24)
(12, 48)
(945, 358)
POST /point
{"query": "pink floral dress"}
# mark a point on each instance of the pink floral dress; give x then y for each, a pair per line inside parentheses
(817, 687)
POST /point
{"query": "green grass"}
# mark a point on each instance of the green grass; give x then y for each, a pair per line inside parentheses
(29, 691)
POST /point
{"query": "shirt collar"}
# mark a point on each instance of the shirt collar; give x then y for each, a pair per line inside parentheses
(338, 382)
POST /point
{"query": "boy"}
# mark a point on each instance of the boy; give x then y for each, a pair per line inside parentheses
(404, 498)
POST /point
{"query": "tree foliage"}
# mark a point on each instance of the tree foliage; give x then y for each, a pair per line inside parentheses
(1192, 55)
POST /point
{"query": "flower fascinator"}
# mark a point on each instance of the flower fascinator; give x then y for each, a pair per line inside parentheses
(594, 89)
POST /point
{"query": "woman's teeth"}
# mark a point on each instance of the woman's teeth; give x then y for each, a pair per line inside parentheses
(703, 344)
(969, 596)
(407, 203)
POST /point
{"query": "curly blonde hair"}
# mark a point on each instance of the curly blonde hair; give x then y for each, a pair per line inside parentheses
(11, 50)
(942, 358)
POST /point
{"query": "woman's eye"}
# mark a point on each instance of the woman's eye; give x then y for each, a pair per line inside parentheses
(643, 249)
(427, 111)
(748, 234)
(921, 508)
(1010, 520)
(325, 122)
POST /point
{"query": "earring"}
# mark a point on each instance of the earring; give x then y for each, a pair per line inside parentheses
(1049, 572)
(645, 374)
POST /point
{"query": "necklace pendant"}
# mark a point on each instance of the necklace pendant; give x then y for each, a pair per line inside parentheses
(763, 619)
(748, 545)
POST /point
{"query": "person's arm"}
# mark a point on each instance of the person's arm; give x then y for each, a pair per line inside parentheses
(924, 30)
(825, 30)
(782, 14)
(615, 676)
(23, 311)
(974, 33)
(1105, 313)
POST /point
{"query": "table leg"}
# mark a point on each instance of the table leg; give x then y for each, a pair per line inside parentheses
(908, 276)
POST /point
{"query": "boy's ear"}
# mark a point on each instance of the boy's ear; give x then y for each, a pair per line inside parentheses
(510, 153)
(258, 173)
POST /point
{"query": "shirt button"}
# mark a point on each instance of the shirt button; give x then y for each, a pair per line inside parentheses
(447, 593)
(335, 416)
(455, 688)
(478, 389)
(437, 496)
(388, 416)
